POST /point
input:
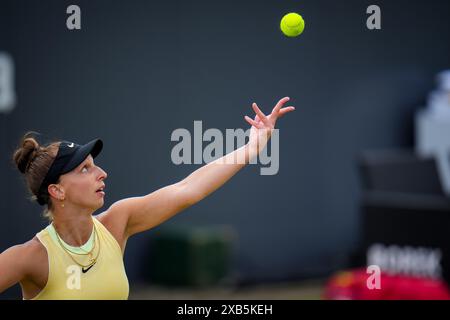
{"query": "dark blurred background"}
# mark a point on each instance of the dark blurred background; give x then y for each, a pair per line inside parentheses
(137, 70)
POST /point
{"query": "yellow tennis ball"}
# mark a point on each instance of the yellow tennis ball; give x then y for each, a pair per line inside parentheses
(292, 24)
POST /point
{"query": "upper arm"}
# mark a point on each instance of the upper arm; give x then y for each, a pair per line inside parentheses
(143, 213)
(13, 266)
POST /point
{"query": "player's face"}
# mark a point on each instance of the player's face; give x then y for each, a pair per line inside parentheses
(83, 185)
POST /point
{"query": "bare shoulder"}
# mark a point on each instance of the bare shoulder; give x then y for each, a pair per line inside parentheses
(27, 251)
(23, 263)
(115, 220)
(35, 247)
(34, 253)
(36, 268)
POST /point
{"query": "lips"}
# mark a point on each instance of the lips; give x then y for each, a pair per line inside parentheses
(101, 189)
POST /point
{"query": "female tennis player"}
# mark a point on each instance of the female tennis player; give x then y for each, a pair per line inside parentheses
(79, 255)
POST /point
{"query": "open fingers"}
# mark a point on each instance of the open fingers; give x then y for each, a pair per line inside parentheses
(253, 122)
(283, 111)
(261, 115)
(279, 105)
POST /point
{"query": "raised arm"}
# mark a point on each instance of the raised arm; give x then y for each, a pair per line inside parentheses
(143, 213)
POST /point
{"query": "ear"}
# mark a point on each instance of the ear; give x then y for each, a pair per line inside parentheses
(56, 191)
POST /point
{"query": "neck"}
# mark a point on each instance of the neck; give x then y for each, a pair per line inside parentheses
(73, 229)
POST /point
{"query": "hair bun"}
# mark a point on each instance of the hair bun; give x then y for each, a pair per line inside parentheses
(25, 154)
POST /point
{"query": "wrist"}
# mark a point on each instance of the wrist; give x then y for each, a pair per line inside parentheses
(251, 150)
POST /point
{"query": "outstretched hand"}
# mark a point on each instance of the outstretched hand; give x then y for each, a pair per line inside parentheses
(262, 125)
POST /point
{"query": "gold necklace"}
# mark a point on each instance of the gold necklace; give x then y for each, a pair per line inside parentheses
(91, 261)
(77, 253)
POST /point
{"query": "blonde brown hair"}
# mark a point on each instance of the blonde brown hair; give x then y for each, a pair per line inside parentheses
(34, 161)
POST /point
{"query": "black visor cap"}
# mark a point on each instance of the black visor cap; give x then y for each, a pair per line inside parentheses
(79, 153)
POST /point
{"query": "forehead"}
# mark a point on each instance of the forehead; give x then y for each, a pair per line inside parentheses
(89, 159)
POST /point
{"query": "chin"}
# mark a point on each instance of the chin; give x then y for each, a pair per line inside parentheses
(97, 205)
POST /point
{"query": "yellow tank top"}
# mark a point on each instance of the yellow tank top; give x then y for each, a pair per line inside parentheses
(105, 280)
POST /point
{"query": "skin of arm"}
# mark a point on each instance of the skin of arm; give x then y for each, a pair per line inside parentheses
(13, 265)
(138, 214)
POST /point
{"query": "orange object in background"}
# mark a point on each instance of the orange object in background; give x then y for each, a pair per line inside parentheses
(352, 285)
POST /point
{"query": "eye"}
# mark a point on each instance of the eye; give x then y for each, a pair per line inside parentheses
(84, 169)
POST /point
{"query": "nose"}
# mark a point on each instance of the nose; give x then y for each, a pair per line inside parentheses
(103, 175)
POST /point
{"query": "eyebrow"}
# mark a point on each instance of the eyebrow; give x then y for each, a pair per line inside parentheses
(85, 162)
